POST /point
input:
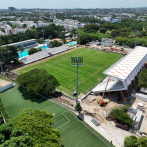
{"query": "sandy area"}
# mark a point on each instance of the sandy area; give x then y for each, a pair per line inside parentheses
(4, 83)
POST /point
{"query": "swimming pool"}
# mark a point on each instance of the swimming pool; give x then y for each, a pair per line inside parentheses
(44, 47)
(25, 53)
(72, 43)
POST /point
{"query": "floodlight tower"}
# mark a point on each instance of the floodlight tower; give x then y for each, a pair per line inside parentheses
(1, 66)
(43, 30)
(77, 61)
(136, 37)
(79, 33)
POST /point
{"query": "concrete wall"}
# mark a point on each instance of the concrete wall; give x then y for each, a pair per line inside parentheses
(6, 87)
(140, 96)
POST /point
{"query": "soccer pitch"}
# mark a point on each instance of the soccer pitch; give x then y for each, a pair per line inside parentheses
(74, 132)
(94, 63)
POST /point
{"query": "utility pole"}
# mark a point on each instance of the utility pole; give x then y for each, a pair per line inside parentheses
(77, 61)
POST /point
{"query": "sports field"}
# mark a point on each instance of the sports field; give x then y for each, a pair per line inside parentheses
(73, 131)
(94, 63)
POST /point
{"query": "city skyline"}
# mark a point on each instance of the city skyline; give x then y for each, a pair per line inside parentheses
(72, 4)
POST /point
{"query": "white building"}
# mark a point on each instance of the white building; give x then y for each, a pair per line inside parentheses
(68, 23)
(108, 19)
(116, 20)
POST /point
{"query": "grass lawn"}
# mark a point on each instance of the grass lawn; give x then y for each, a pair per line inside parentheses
(73, 131)
(94, 63)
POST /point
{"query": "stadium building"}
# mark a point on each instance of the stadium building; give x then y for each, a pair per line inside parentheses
(25, 44)
(122, 76)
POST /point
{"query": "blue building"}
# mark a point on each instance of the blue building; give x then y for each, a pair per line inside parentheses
(11, 8)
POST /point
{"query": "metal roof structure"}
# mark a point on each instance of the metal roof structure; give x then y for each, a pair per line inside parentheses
(128, 67)
(43, 54)
(22, 42)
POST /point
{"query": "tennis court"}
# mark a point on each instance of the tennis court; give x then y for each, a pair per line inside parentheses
(74, 132)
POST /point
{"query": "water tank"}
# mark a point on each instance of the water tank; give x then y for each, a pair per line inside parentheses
(140, 106)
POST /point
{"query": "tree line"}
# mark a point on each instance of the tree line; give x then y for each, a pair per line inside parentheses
(53, 31)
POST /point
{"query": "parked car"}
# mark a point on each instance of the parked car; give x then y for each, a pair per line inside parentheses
(125, 127)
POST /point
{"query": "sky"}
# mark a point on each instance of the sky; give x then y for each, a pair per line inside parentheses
(51, 4)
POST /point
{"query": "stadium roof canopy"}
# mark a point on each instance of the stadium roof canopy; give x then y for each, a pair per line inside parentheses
(123, 72)
(129, 66)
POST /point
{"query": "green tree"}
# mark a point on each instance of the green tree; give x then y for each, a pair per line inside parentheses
(103, 30)
(2, 138)
(64, 41)
(55, 43)
(142, 82)
(21, 49)
(40, 40)
(6, 129)
(71, 35)
(130, 141)
(38, 125)
(24, 25)
(142, 142)
(20, 141)
(62, 35)
(38, 81)
(78, 107)
(13, 26)
(121, 115)
(50, 37)
(73, 31)
(3, 30)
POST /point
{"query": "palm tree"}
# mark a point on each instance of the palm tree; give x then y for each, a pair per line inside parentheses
(21, 49)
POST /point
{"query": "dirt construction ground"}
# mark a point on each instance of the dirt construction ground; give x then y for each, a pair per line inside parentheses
(91, 106)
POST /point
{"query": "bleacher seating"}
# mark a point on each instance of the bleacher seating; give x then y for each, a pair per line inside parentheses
(43, 54)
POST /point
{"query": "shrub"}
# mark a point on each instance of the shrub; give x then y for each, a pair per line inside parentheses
(32, 51)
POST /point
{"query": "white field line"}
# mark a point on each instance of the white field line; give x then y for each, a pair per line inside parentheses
(60, 114)
(64, 123)
(66, 117)
(90, 130)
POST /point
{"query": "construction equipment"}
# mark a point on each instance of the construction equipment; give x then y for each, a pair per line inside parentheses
(101, 102)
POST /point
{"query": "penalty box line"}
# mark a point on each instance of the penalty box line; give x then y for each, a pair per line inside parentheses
(64, 123)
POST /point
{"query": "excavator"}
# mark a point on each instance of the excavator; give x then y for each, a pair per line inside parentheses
(101, 102)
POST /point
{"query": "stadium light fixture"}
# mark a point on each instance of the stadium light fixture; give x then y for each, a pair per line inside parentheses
(77, 61)
(136, 37)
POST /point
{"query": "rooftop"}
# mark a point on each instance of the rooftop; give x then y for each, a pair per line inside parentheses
(129, 65)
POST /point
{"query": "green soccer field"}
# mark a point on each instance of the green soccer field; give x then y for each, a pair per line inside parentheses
(73, 131)
(94, 63)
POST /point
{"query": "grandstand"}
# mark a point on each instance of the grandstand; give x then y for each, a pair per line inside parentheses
(25, 44)
(43, 54)
(123, 75)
